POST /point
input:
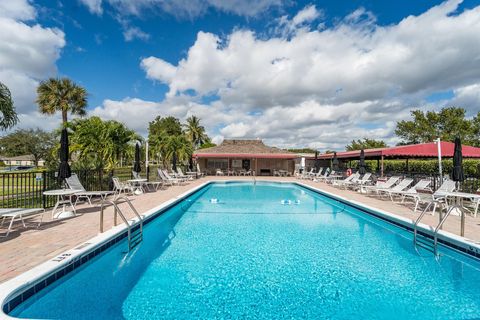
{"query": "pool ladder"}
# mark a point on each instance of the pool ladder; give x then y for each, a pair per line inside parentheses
(134, 228)
(426, 242)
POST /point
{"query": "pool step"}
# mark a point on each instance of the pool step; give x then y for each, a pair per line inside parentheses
(135, 238)
(425, 243)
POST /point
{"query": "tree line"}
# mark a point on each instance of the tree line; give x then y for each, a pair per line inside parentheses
(94, 143)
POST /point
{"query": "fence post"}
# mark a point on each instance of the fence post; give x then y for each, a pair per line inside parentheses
(44, 186)
(100, 178)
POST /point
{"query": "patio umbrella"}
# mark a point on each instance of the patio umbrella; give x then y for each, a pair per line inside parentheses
(335, 162)
(457, 173)
(361, 163)
(64, 169)
(317, 162)
(136, 164)
(190, 163)
(174, 161)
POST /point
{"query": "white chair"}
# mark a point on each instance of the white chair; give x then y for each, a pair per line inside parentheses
(349, 179)
(402, 185)
(438, 196)
(119, 187)
(381, 185)
(74, 183)
(19, 213)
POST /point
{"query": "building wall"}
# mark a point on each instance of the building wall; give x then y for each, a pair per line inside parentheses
(261, 166)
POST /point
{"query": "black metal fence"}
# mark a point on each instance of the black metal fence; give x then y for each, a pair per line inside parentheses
(25, 189)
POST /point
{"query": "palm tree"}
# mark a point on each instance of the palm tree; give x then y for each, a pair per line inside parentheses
(8, 116)
(61, 95)
(195, 132)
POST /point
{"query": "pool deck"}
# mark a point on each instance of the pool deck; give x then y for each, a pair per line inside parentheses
(27, 247)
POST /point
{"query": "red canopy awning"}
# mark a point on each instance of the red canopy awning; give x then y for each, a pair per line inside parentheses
(246, 155)
(422, 150)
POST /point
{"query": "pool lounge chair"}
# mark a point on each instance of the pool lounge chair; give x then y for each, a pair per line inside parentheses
(358, 184)
(325, 176)
(200, 174)
(381, 185)
(171, 179)
(422, 185)
(119, 187)
(437, 196)
(350, 178)
(401, 186)
(18, 213)
(74, 183)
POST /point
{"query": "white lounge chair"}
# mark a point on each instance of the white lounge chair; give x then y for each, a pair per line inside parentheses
(181, 175)
(402, 185)
(350, 178)
(119, 187)
(200, 174)
(74, 183)
(169, 179)
(381, 185)
(19, 213)
(355, 185)
(437, 196)
(422, 185)
(325, 175)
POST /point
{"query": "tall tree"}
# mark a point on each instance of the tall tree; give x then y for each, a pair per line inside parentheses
(195, 132)
(365, 144)
(446, 124)
(35, 142)
(99, 143)
(8, 116)
(61, 95)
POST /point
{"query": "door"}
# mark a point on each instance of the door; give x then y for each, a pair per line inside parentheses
(246, 164)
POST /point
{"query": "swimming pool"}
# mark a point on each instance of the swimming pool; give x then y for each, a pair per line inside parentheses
(264, 251)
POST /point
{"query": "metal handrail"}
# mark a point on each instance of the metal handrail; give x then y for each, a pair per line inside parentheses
(417, 222)
(440, 224)
(117, 211)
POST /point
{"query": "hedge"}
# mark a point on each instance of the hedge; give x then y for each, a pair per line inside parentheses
(471, 167)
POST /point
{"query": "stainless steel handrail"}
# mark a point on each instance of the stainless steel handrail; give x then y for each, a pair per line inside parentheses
(117, 211)
(440, 224)
(417, 222)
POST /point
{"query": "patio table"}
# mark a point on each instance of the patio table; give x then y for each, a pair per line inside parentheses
(138, 185)
(64, 198)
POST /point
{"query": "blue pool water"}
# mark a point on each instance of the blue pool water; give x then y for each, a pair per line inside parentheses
(249, 256)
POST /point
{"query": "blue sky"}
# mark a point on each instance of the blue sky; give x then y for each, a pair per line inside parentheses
(147, 58)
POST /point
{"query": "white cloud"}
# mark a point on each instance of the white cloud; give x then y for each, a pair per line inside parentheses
(184, 8)
(94, 6)
(17, 9)
(28, 54)
(132, 33)
(327, 86)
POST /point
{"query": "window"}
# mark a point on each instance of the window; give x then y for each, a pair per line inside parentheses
(217, 164)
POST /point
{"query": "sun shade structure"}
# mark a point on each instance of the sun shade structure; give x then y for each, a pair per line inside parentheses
(245, 154)
(64, 170)
(422, 150)
(457, 174)
(361, 163)
(136, 164)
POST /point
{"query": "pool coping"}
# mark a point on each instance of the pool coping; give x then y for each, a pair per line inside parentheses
(16, 290)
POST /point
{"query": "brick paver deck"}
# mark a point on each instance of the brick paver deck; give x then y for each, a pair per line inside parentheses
(27, 247)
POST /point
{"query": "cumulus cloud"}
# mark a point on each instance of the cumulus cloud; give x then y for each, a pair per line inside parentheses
(327, 86)
(28, 54)
(17, 9)
(184, 8)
